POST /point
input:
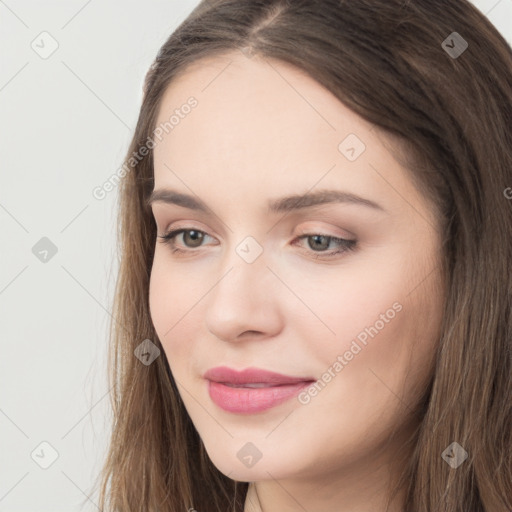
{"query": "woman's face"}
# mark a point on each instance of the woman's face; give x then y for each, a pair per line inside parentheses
(250, 290)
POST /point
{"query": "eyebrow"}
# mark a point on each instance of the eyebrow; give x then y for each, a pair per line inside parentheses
(280, 205)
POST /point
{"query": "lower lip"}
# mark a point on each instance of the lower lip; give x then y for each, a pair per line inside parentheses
(252, 400)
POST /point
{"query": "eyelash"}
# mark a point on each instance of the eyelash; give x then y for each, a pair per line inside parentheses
(348, 245)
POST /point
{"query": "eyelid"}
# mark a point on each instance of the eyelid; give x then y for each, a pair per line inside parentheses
(186, 225)
(328, 232)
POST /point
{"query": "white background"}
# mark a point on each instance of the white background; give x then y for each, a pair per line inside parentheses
(66, 124)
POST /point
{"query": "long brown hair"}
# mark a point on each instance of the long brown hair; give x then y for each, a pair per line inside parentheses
(393, 62)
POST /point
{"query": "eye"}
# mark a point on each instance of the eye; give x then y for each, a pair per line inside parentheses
(319, 242)
(193, 238)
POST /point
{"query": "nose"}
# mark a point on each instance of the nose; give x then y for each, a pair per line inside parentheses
(244, 302)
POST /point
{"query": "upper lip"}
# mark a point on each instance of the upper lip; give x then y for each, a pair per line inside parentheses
(225, 375)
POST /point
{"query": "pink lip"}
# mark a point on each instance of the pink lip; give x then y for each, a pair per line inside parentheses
(251, 400)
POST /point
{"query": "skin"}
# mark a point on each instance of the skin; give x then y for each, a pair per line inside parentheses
(263, 129)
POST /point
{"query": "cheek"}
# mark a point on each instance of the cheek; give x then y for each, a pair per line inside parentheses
(177, 312)
(170, 297)
(379, 328)
(160, 294)
(173, 291)
(335, 307)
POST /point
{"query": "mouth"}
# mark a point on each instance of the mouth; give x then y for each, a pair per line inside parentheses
(252, 385)
(251, 376)
(252, 390)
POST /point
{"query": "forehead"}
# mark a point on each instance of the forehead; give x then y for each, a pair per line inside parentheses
(261, 125)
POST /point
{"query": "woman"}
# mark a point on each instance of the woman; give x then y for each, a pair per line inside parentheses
(313, 308)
